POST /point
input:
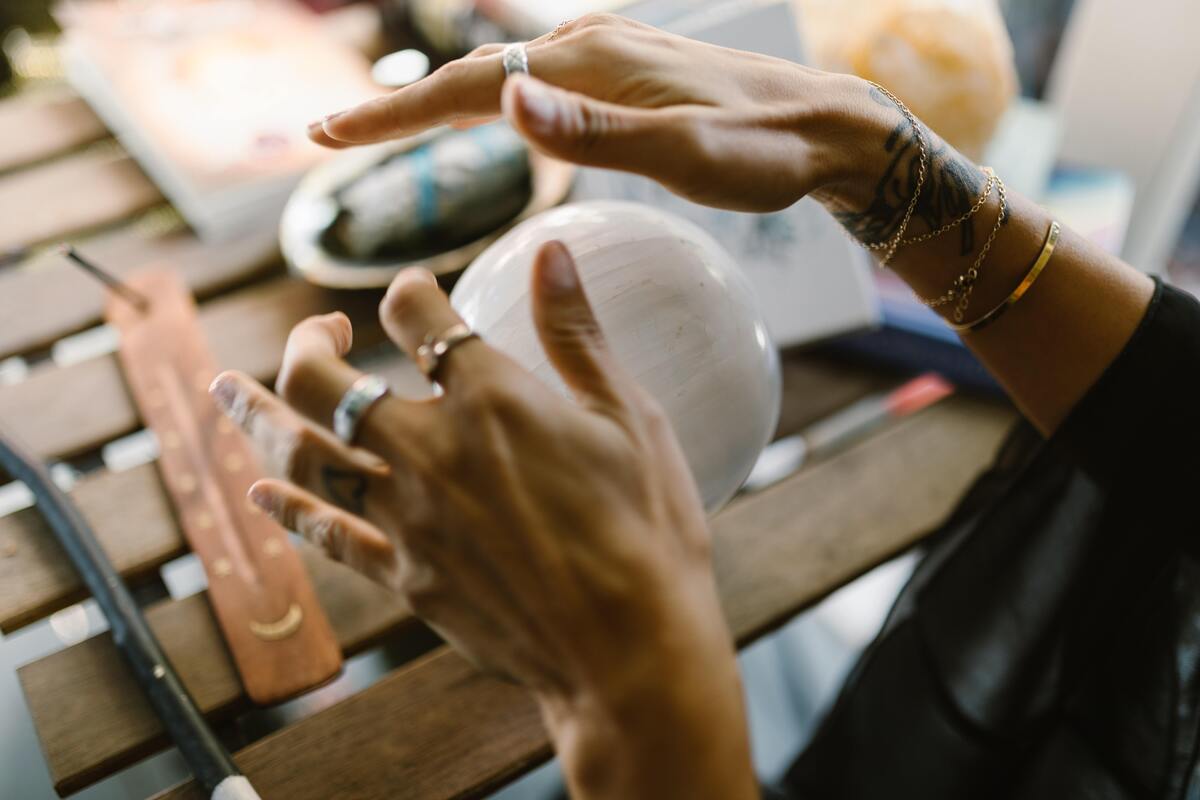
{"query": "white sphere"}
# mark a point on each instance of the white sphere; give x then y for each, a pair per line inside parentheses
(676, 310)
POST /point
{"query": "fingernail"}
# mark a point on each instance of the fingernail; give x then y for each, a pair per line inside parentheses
(540, 105)
(558, 272)
(260, 497)
(328, 118)
(223, 392)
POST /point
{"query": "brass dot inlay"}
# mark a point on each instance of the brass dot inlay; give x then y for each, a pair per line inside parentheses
(186, 483)
(202, 520)
(170, 440)
(224, 425)
(222, 568)
(252, 506)
(8, 549)
(233, 462)
(273, 548)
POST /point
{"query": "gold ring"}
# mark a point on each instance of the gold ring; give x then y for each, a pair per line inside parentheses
(434, 348)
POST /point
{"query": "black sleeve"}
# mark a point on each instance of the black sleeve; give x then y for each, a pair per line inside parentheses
(1140, 424)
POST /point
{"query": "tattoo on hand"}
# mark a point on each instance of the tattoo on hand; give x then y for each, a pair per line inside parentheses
(952, 186)
(346, 488)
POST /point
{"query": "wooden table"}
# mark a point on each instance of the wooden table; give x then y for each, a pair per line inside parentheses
(433, 728)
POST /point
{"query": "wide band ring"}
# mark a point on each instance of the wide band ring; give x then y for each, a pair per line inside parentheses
(434, 348)
(358, 399)
(515, 58)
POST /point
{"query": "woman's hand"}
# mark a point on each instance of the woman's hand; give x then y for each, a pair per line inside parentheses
(560, 543)
(721, 127)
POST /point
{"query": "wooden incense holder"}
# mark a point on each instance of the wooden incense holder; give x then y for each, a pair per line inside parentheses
(277, 632)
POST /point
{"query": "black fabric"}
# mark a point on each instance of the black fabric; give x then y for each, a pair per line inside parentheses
(1048, 646)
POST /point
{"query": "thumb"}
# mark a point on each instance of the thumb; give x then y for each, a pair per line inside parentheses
(569, 331)
(577, 128)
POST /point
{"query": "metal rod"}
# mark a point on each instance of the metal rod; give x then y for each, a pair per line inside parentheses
(208, 759)
(119, 287)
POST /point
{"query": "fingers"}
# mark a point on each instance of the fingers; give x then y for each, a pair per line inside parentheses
(343, 536)
(314, 378)
(291, 446)
(415, 308)
(464, 89)
(573, 127)
(568, 330)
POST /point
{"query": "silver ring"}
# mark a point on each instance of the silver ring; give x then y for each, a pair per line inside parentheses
(358, 399)
(434, 348)
(516, 59)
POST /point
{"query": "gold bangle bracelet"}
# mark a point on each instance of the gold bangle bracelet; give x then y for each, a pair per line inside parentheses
(1042, 260)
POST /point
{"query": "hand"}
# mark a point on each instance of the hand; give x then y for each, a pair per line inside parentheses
(559, 543)
(718, 126)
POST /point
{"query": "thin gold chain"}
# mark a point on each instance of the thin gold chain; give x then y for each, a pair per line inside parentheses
(893, 244)
(960, 291)
(925, 237)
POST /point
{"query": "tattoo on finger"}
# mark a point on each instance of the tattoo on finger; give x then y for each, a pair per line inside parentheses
(347, 488)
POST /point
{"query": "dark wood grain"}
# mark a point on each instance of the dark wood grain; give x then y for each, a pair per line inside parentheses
(67, 411)
(776, 553)
(93, 719)
(46, 298)
(39, 125)
(95, 187)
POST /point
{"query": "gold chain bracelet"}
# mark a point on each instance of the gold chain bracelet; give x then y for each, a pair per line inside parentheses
(890, 246)
(1034, 272)
(960, 291)
(988, 186)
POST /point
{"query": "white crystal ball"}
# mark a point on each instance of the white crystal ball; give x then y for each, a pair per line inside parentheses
(676, 310)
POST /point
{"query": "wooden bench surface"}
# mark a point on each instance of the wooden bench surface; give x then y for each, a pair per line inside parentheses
(434, 728)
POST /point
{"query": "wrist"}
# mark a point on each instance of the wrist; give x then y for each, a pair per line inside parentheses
(855, 140)
(683, 734)
(665, 719)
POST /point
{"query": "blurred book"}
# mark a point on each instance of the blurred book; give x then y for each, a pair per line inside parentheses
(212, 97)
(812, 281)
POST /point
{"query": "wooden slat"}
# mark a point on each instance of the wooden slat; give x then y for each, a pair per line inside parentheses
(417, 734)
(47, 298)
(132, 519)
(91, 714)
(71, 194)
(807, 520)
(67, 411)
(39, 125)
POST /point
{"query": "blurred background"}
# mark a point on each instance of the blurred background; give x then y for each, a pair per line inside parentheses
(1092, 107)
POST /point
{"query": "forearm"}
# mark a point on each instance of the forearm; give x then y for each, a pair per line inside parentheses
(1049, 348)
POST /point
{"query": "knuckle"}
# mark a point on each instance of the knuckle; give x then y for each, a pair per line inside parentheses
(596, 19)
(294, 375)
(295, 454)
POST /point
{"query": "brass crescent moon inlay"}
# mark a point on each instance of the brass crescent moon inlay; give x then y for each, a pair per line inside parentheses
(281, 628)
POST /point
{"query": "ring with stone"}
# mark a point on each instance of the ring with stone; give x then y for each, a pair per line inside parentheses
(434, 348)
(354, 405)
